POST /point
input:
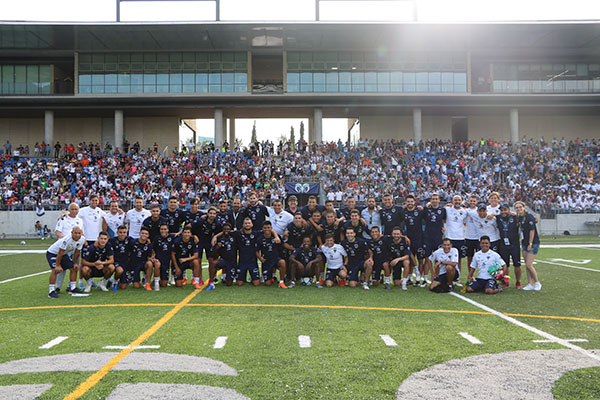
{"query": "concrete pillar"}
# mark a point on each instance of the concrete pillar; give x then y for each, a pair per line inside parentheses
(311, 130)
(318, 125)
(417, 126)
(232, 133)
(514, 126)
(119, 130)
(49, 128)
(225, 130)
(218, 128)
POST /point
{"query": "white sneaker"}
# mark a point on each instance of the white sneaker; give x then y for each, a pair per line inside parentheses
(102, 287)
(172, 280)
(418, 277)
(88, 286)
(458, 284)
(404, 286)
(537, 287)
(365, 286)
(529, 287)
(423, 283)
(156, 286)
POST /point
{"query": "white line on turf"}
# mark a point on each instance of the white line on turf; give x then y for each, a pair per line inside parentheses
(387, 339)
(566, 340)
(528, 327)
(304, 341)
(53, 342)
(22, 251)
(220, 342)
(568, 246)
(25, 276)
(470, 338)
(568, 266)
(131, 347)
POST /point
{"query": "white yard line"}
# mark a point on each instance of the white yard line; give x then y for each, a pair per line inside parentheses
(53, 342)
(22, 251)
(131, 347)
(220, 342)
(387, 339)
(567, 266)
(24, 276)
(304, 341)
(567, 340)
(569, 246)
(528, 327)
(470, 338)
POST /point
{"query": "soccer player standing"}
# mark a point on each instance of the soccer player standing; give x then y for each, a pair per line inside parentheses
(456, 216)
(509, 242)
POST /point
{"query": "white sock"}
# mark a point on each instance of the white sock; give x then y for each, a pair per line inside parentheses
(280, 281)
(102, 281)
(388, 279)
(81, 283)
(156, 280)
(195, 280)
(72, 285)
(404, 280)
(50, 288)
(416, 270)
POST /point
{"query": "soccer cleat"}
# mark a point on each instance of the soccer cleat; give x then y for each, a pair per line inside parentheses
(404, 285)
(184, 281)
(529, 287)
(156, 286)
(172, 280)
(282, 285)
(57, 290)
(211, 286)
(94, 284)
(342, 282)
(197, 285)
(387, 286)
(423, 283)
(148, 287)
(75, 290)
(102, 287)
(319, 286)
(450, 289)
(518, 285)
(537, 286)
(292, 284)
(88, 286)
(201, 282)
(53, 295)
(365, 286)
(115, 287)
(458, 284)
(322, 282)
(144, 278)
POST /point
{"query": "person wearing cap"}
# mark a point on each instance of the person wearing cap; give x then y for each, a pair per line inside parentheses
(509, 242)
(292, 202)
(487, 226)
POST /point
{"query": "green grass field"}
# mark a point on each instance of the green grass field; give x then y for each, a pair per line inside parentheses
(347, 358)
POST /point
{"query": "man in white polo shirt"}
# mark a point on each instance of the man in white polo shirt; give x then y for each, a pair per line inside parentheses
(136, 217)
(63, 255)
(64, 226)
(279, 218)
(334, 254)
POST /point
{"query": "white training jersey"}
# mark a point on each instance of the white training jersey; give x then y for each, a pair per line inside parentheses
(493, 210)
(113, 221)
(440, 255)
(483, 262)
(66, 224)
(67, 244)
(455, 223)
(135, 219)
(92, 221)
(471, 232)
(280, 221)
(334, 255)
(488, 227)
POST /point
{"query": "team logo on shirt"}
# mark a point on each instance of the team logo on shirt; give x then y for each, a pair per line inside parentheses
(416, 213)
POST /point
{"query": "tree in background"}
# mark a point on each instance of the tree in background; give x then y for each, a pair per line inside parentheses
(253, 139)
(292, 137)
(301, 131)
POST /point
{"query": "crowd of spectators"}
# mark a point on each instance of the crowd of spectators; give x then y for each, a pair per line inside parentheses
(549, 176)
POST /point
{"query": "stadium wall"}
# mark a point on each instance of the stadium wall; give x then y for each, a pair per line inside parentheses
(146, 130)
(20, 224)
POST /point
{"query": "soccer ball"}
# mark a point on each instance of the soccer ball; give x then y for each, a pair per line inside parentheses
(23, 242)
(306, 281)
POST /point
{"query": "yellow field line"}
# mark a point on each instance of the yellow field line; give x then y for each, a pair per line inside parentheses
(313, 306)
(101, 373)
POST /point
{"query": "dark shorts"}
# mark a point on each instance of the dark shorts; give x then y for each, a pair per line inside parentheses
(508, 252)
(443, 280)
(418, 249)
(461, 247)
(164, 268)
(431, 245)
(205, 247)
(95, 272)
(245, 268)
(377, 268)
(479, 285)
(472, 247)
(495, 245)
(267, 267)
(534, 248)
(229, 269)
(397, 270)
(65, 262)
(332, 274)
(132, 273)
(183, 266)
(120, 265)
(353, 271)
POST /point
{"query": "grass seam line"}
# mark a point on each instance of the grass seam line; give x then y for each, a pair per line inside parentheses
(567, 266)
(528, 327)
(101, 373)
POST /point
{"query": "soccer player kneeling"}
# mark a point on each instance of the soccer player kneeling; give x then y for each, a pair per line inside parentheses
(486, 262)
(305, 262)
(444, 261)
(62, 255)
(335, 255)
(98, 261)
(359, 259)
(185, 256)
(140, 260)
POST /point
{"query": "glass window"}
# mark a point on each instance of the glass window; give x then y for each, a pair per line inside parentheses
(85, 79)
(110, 79)
(331, 80)
(409, 82)
(319, 81)
(435, 82)
(371, 82)
(358, 82)
(241, 79)
(293, 78)
(33, 78)
(345, 79)
(20, 79)
(97, 79)
(306, 78)
(383, 81)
